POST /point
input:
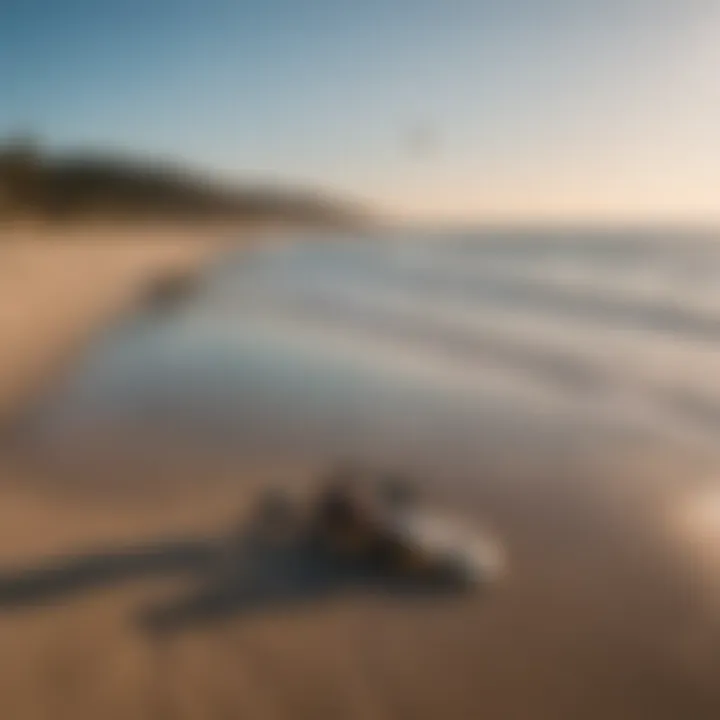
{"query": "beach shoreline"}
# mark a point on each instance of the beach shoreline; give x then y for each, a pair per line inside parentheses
(59, 285)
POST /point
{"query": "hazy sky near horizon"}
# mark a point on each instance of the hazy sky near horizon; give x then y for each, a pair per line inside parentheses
(467, 109)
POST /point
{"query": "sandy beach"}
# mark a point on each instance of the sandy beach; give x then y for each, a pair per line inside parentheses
(600, 617)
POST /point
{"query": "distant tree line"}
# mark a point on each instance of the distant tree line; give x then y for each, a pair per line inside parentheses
(91, 185)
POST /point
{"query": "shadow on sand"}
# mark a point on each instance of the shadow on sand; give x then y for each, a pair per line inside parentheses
(67, 576)
(233, 578)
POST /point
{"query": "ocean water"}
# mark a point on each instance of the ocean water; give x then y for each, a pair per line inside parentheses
(386, 345)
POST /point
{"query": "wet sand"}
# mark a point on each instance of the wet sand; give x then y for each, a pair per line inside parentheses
(599, 617)
(607, 610)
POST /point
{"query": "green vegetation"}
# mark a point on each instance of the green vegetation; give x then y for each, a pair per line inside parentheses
(90, 185)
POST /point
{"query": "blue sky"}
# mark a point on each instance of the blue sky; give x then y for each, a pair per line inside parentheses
(512, 109)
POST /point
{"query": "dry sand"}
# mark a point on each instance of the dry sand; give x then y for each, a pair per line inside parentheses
(57, 286)
(596, 620)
